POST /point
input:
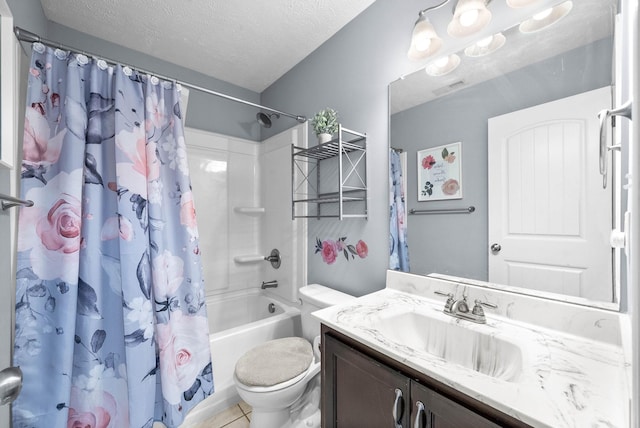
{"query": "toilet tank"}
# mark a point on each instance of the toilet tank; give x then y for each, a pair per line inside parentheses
(315, 297)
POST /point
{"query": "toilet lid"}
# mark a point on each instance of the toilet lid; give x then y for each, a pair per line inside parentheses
(274, 362)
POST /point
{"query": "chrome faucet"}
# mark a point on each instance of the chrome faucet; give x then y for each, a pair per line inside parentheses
(460, 308)
(269, 284)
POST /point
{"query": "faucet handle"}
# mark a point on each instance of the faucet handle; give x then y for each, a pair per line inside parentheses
(477, 308)
(449, 303)
(442, 293)
(487, 304)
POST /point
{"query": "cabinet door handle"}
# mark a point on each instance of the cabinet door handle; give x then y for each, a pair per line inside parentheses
(418, 421)
(398, 406)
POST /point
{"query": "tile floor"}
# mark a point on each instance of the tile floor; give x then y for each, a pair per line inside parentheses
(236, 416)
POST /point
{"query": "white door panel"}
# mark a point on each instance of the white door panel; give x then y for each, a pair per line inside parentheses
(546, 201)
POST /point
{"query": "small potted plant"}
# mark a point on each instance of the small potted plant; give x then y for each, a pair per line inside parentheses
(325, 123)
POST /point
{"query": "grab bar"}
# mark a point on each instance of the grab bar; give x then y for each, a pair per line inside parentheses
(10, 202)
(604, 115)
(467, 210)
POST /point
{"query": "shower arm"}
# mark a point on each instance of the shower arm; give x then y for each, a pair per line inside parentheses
(29, 37)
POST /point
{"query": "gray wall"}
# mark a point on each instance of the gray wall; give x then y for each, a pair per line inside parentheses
(28, 14)
(457, 244)
(351, 73)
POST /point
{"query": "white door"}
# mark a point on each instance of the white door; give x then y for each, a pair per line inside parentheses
(546, 201)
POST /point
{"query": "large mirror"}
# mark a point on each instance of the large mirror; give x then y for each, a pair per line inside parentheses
(529, 209)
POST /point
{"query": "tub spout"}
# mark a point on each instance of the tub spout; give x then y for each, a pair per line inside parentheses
(269, 284)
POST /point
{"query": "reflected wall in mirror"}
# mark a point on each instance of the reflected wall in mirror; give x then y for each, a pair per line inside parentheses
(545, 186)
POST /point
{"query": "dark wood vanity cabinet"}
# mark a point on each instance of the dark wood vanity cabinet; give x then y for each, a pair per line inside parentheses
(358, 391)
(440, 412)
(362, 388)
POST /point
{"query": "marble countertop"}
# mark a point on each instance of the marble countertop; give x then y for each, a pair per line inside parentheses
(566, 380)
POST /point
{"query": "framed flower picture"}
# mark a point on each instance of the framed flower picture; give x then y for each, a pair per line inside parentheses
(440, 173)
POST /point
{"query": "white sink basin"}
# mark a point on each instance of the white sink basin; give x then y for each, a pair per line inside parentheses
(456, 344)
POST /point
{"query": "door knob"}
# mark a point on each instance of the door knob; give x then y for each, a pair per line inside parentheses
(496, 248)
(10, 384)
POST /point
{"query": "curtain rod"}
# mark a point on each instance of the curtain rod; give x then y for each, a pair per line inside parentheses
(27, 36)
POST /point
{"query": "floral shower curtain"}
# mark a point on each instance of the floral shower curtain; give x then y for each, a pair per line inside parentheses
(398, 249)
(111, 325)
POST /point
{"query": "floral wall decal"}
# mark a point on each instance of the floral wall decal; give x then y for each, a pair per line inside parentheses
(440, 173)
(330, 249)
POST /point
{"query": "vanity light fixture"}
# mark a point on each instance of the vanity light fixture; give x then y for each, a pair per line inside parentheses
(520, 3)
(486, 46)
(547, 17)
(424, 39)
(442, 66)
(469, 17)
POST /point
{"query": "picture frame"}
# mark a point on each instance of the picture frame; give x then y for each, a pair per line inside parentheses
(440, 172)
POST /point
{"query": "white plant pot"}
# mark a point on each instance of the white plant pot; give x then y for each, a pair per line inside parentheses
(324, 138)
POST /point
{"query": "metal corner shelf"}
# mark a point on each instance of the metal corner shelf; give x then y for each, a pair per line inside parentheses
(349, 150)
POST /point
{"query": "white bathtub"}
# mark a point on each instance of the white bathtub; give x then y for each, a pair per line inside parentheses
(237, 323)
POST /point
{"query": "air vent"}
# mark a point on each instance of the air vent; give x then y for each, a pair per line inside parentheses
(449, 88)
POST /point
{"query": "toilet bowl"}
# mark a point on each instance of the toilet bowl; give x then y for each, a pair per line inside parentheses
(273, 377)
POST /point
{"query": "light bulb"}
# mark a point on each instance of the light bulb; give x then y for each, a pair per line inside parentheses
(424, 40)
(486, 45)
(547, 17)
(542, 15)
(423, 43)
(441, 62)
(469, 17)
(443, 65)
(520, 3)
(485, 42)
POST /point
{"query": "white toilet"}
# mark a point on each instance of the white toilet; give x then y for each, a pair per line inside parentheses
(274, 375)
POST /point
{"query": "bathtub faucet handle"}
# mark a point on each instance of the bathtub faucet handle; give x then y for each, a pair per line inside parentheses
(274, 258)
(269, 284)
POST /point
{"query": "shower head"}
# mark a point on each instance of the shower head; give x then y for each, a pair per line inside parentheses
(264, 119)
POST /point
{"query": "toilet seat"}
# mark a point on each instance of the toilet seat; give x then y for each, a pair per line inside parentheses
(274, 365)
(275, 387)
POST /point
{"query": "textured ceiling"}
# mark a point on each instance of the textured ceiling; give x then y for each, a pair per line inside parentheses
(245, 42)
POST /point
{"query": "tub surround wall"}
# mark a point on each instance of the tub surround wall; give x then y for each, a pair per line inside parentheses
(224, 173)
(575, 371)
(279, 230)
(242, 194)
